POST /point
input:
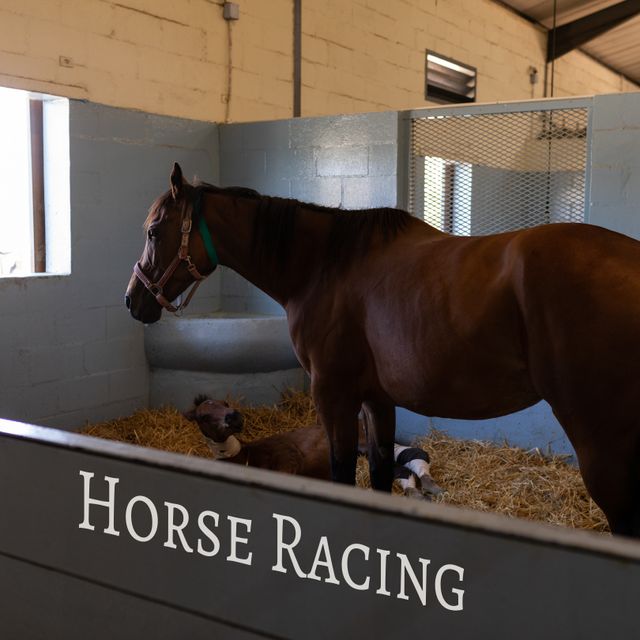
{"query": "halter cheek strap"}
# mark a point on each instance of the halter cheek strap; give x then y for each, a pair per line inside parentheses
(156, 288)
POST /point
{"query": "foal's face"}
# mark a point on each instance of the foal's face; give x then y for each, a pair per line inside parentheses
(216, 419)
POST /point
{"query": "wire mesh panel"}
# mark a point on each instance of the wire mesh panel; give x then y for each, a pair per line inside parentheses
(476, 174)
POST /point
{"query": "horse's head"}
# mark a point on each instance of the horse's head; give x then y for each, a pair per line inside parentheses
(216, 419)
(174, 255)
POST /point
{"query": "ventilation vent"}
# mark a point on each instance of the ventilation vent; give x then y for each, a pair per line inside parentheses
(449, 81)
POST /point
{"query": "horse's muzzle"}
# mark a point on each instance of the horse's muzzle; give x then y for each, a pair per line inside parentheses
(234, 420)
(146, 311)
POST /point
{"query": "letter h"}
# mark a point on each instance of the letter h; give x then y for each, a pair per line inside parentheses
(110, 503)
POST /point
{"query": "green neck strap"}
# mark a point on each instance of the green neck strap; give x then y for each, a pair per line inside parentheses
(204, 230)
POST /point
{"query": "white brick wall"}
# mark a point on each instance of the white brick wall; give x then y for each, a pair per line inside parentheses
(169, 57)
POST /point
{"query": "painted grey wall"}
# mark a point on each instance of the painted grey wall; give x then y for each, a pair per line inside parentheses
(243, 356)
(615, 163)
(70, 350)
(71, 353)
(351, 162)
(532, 428)
(347, 161)
(356, 161)
(613, 201)
(338, 161)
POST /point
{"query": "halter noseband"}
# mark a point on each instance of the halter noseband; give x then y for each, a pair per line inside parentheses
(156, 288)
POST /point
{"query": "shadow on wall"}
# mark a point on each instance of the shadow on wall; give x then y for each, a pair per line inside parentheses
(247, 355)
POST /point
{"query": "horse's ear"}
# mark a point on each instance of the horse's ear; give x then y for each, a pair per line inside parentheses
(177, 181)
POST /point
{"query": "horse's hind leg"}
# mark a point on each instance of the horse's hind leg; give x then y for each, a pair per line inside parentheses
(380, 425)
(339, 417)
(610, 474)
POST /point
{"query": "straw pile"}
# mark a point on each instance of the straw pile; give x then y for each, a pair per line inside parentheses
(474, 474)
(511, 481)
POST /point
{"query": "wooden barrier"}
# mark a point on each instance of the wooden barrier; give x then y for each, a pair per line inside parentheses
(100, 539)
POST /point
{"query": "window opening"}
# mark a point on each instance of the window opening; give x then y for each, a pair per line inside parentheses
(34, 184)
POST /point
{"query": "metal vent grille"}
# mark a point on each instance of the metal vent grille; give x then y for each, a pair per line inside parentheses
(476, 174)
(449, 80)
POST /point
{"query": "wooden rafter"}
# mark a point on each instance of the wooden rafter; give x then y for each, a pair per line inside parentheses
(569, 36)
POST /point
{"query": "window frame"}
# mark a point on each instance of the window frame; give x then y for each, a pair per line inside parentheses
(38, 201)
(47, 187)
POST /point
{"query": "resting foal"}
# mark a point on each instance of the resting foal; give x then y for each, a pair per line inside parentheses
(300, 452)
(303, 451)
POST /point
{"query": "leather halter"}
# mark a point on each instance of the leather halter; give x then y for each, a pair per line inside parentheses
(156, 288)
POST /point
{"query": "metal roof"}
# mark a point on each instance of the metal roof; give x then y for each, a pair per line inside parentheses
(618, 48)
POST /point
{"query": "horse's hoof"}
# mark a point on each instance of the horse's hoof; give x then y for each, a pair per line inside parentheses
(429, 486)
(416, 494)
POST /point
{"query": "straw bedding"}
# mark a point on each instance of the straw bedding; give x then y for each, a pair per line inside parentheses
(476, 475)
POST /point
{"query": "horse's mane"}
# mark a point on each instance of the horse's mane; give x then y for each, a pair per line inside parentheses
(351, 230)
(166, 198)
(199, 399)
(273, 231)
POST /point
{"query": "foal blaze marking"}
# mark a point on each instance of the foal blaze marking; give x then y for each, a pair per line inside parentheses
(386, 311)
(371, 566)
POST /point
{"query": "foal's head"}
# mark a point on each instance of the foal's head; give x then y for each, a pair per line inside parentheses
(216, 419)
(164, 233)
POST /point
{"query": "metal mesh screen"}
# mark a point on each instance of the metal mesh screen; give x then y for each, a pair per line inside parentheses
(476, 174)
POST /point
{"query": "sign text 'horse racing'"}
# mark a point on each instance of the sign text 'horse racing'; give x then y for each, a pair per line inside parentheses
(359, 566)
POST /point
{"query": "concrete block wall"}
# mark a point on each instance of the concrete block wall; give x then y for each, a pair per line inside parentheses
(615, 163)
(173, 58)
(70, 352)
(613, 176)
(337, 161)
(316, 159)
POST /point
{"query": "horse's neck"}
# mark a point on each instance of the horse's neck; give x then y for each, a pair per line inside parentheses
(230, 448)
(233, 236)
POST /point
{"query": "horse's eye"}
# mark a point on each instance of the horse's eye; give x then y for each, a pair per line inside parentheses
(152, 233)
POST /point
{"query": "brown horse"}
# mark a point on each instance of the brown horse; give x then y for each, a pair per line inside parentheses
(386, 311)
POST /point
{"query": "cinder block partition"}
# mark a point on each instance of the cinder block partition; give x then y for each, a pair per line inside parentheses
(248, 357)
(71, 352)
(360, 161)
(338, 161)
(245, 350)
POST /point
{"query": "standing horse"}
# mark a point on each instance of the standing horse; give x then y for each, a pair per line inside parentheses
(386, 311)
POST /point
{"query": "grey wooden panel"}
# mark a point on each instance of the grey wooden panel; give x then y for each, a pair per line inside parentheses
(520, 580)
(41, 604)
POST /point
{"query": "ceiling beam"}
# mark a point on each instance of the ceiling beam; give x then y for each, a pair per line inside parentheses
(569, 36)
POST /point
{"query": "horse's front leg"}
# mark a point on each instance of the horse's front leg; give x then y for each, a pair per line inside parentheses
(380, 426)
(338, 413)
